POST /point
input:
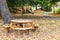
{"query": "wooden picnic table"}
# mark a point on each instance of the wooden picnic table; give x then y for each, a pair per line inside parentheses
(27, 30)
(21, 25)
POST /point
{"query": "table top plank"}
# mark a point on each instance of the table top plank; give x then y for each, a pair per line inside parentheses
(23, 28)
(21, 20)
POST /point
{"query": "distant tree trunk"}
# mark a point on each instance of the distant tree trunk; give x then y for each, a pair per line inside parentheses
(5, 13)
(54, 10)
(36, 7)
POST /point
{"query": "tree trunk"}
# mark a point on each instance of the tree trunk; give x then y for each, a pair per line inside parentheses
(54, 10)
(5, 13)
(36, 6)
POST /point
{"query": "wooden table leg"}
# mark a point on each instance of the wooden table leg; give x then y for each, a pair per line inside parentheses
(18, 33)
(7, 29)
(21, 32)
(28, 32)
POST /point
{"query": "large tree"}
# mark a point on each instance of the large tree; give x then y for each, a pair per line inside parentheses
(5, 13)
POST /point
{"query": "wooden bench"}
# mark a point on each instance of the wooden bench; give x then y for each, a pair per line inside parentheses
(36, 26)
(6, 27)
(27, 30)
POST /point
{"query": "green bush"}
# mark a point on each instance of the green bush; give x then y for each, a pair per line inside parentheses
(58, 11)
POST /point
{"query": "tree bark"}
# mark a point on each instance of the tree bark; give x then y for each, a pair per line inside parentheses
(36, 6)
(5, 13)
(54, 10)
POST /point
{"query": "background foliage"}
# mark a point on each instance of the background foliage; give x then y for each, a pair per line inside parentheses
(45, 4)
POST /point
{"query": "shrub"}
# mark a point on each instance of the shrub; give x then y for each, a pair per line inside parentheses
(58, 11)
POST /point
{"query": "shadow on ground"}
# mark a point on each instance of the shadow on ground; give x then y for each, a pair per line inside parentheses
(36, 17)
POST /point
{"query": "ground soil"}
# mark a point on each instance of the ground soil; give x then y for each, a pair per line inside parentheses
(49, 28)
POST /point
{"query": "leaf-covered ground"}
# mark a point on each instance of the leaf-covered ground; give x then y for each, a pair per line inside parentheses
(49, 29)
